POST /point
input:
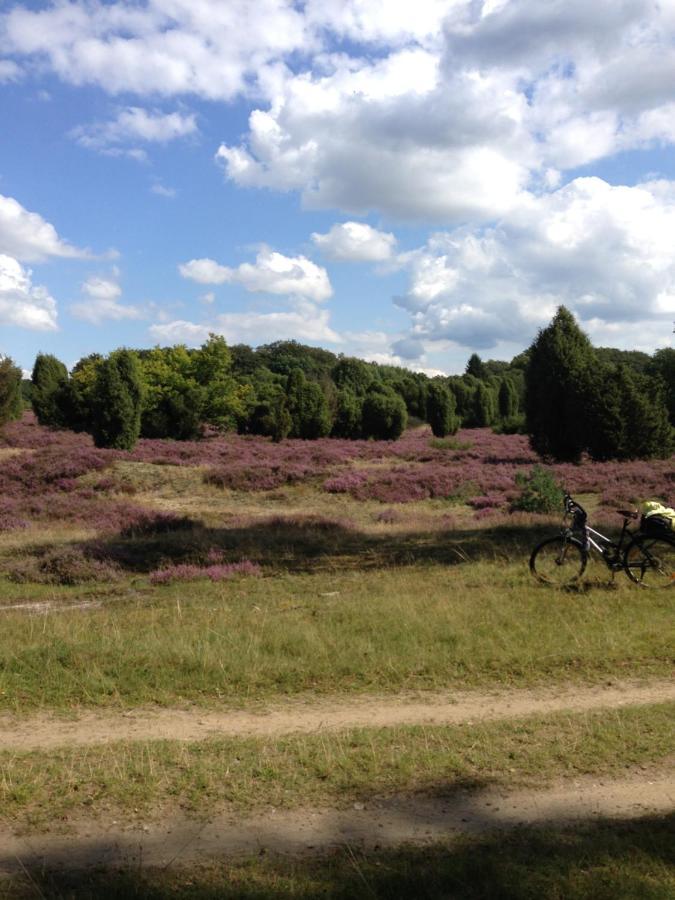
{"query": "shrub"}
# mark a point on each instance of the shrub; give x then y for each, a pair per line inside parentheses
(11, 402)
(118, 400)
(384, 415)
(540, 492)
(49, 379)
(441, 408)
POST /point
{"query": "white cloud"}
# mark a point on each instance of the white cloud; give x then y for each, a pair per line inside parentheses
(604, 251)
(355, 241)
(304, 322)
(9, 71)
(165, 47)
(21, 303)
(102, 303)
(132, 124)
(163, 191)
(205, 271)
(272, 273)
(28, 237)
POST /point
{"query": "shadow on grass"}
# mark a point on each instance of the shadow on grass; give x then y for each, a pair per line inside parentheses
(297, 544)
(606, 860)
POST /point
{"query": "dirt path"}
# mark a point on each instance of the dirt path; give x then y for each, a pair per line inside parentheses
(382, 823)
(88, 728)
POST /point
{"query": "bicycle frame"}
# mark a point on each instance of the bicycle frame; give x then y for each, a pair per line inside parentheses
(581, 528)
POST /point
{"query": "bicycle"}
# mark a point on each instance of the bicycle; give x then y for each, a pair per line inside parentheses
(647, 559)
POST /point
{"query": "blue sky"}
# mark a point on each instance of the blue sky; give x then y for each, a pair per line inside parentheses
(405, 188)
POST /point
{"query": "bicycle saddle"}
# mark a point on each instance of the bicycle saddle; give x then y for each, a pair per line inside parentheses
(628, 513)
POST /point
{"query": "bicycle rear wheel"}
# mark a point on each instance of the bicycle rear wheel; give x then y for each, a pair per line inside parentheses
(650, 561)
(558, 561)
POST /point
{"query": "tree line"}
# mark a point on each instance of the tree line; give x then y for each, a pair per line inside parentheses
(568, 396)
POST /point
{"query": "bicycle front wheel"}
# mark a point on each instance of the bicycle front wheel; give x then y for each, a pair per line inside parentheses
(558, 561)
(650, 561)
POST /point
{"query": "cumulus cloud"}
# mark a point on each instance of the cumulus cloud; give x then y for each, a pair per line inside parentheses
(103, 302)
(9, 71)
(28, 237)
(604, 251)
(272, 273)
(356, 241)
(164, 47)
(22, 303)
(304, 321)
(132, 124)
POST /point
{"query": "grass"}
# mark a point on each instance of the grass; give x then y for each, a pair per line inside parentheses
(592, 861)
(416, 627)
(151, 778)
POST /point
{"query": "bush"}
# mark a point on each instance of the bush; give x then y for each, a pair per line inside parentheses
(118, 401)
(11, 402)
(49, 379)
(441, 410)
(540, 492)
(384, 415)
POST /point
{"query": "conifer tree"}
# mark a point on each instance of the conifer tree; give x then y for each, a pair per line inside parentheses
(441, 408)
(507, 399)
(118, 401)
(384, 415)
(558, 380)
(48, 382)
(348, 415)
(11, 403)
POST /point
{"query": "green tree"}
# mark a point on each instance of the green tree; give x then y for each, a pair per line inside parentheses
(483, 408)
(441, 408)
(48, 380)
(174, 400)
(11, 402)
(307, 407)
(353, 375)
(384, 415)
(476, 367)
(662, 365)
(558, 379)
(348, 415)
(118, 401)
(507, 398)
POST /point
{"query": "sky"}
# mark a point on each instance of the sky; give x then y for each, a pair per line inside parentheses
(407, 183)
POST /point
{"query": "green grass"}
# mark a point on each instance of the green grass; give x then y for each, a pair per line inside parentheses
(150, 778)
(245, 641)
(592, 861)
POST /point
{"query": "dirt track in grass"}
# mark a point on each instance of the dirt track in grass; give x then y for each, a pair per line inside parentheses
(88, 728)
(380, 823)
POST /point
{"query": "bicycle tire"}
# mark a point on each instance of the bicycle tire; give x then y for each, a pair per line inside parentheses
(558, 561)
(650, 561)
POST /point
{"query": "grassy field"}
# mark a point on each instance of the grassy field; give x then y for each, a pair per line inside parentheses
(622, 861)
(167, 578)
(151, 779)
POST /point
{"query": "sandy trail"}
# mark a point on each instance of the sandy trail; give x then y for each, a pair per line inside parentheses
(381, 823)
(305, 716)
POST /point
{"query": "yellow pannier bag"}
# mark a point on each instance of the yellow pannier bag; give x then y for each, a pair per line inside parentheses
(657, 517)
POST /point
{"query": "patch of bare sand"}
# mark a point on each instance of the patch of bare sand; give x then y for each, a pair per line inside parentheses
(380, 823)
(329, 713)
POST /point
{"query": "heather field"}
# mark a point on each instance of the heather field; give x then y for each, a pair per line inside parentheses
(233, 576)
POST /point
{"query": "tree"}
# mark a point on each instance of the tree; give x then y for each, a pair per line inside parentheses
(476, 367)
(507, 398)
(348, 415)
(384, 415)
(558, 379)
(441, 408)
(662, 365)
(483, 408)
(11, 403)
(353, 374)
(76, 398)
(307, 407)
(174, 400)
(49, 379)
(118, 401)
